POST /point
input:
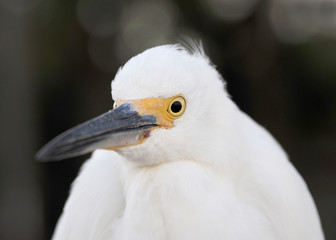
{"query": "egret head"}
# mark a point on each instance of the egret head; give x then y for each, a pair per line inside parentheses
(170, 104)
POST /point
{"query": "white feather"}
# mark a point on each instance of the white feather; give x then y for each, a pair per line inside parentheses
(215, 175)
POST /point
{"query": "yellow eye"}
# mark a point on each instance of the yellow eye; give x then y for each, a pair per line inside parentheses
(115, 105)
(176, 106)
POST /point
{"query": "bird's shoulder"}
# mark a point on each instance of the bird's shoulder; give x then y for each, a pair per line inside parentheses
(95, 199)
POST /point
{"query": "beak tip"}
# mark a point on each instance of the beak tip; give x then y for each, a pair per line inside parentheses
(43, 156)
(48, 153)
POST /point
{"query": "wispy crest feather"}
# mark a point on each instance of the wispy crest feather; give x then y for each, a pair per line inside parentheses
(192, 46)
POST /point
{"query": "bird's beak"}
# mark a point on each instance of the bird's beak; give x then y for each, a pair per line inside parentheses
(123, 126)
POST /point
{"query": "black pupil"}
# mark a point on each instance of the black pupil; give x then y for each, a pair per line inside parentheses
(176, 106)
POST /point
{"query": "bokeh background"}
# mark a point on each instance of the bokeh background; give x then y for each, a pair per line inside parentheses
(58, 57)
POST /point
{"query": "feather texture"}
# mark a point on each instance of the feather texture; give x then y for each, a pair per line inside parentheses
(216, 174)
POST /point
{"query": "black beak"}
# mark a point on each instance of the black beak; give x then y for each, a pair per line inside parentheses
(117, 128)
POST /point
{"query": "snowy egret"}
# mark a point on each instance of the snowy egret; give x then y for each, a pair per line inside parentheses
(178, 160)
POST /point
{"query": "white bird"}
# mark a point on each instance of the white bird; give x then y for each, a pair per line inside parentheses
(179, 160)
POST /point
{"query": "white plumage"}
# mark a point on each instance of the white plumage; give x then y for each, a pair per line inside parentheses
(216, 174)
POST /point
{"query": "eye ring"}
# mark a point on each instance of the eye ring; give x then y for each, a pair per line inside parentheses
(115, 105)
(176, 106)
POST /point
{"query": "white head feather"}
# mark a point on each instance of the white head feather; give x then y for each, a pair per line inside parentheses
(167, 71)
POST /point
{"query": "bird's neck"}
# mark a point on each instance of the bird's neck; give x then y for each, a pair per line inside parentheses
(164, 198)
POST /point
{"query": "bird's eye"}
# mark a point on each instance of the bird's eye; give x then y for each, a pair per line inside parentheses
(115, 105)
(176, 106)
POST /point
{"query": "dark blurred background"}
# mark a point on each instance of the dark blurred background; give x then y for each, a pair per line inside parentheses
(58, 57)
